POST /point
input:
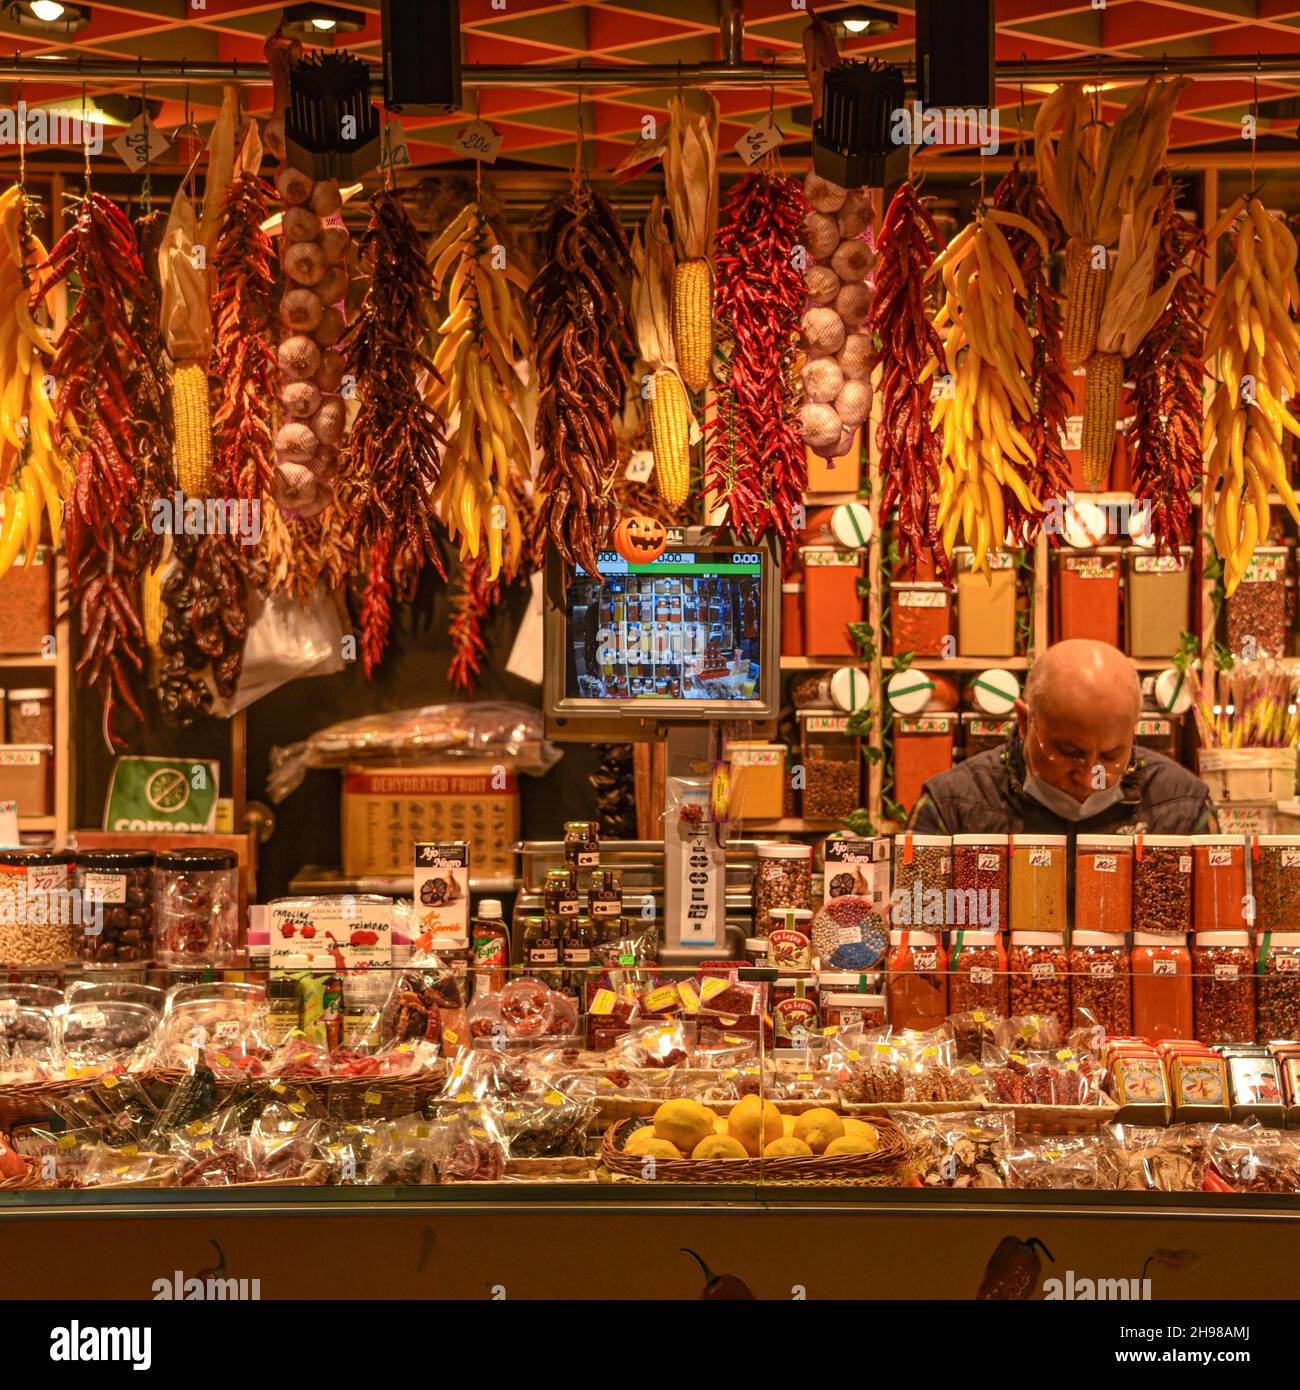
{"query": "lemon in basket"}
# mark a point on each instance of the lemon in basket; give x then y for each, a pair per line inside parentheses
(787, 1147)
(719, 1146)
(818, 1128)
(645, 1143)
(683, 1123)
(859, 1129)
(851, 1144)
(754, 1122)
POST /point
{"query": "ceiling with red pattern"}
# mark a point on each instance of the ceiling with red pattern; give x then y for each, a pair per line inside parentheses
(539, 124)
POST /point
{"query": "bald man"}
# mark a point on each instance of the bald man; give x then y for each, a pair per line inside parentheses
(1071, 767)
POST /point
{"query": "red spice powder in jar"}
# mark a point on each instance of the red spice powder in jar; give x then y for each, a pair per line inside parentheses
(1162, 986)
(917, 981)
(920, 620)
(1218, 883)
(980, 866)
(977, 975)
(1099, 982)
(1103, 883)
(830, 599)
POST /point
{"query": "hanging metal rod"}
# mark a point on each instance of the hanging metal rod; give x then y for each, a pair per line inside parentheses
(73, 71)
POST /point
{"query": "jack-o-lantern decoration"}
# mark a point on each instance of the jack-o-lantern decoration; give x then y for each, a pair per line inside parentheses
(640, 539)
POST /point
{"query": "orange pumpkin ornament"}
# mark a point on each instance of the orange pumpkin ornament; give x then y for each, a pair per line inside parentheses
(640, 539)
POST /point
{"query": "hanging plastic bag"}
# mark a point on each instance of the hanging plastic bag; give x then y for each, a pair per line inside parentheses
(287, 641)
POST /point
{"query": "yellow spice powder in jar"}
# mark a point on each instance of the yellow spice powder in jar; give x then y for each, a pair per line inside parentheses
(1038, 882)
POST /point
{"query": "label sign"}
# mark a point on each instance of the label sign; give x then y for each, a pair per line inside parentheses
(479, 141)
(758, 139)
(148, 794)
(396, 154)
(9, 823)
(640, 466)
(141, 144)
(702, 866)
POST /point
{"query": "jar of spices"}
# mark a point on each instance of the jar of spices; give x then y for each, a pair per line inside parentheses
(1159, 600)
(986, 604)
(1162, 885)
(1162, 986)
(582, 844)
(921, 620)
(756, 951)
(1038, 878)
(757, 780)
(1103, 883)
(831, 601)
(845, 1004)
(783, 878)
(605, 896)
(923, 748)
(31, 716)
(789, 942)
(981, 865)
(36, 910)
(560, 897)
(980, 732)
(1040, 975)
(1224, 997)
(978, 974)
(794, 1010)
(1218, 883)
(1256, 613)
(922, 869)
(117, 898)
(792, 619)
(832, 766)
(917, 980)
(1099, 982)
(196, 906)
(1275, 871)
(1278, 977)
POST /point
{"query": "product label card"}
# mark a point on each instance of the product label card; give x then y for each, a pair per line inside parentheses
(169, 794)
(355, 929)
(441, 894)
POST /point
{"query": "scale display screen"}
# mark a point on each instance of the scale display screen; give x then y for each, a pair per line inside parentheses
(686, 627)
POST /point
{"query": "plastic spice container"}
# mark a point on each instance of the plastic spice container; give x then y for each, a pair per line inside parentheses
(756, 950)
(1162, 987)
(1038, 879)
(36, 913)
(917, 980)
(1224, 995)
(921, 692)
(920, 619)
(27, 604)
(832, 766)
(1159, 601)
(830, 599)
(1103, 883)
(196, 906)
(981, 864)
(980, 732)
(757, 780)
(1162, 884)
(1278, 979)
(1218, 882)
(792, 620)
(922, 866)
(116, 888)
(782, 878)
(986, 608)
(993, 692)
(1257, 617)
(844, 1005)
(1275, 873)
(1087, 594)
(923, 748)
(1099, 982)
(794, 1010)
(1158, 732)
(31, 716)
(25, 776)
(1040, 975)
(978, 973)
(811, 690)
(789, 938)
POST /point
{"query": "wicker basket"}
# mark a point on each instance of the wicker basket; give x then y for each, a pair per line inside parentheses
(1060, 1119)
(578, 1168)
(33, 1101)
(907, 1107)
(348, 1098)
(889, 1166)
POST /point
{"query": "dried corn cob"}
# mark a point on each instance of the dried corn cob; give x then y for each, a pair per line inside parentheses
(192, 418)
(1085, 295)
(670, 429)
(1100, 412)
(691, 181)
(152, 612)
(693, 322)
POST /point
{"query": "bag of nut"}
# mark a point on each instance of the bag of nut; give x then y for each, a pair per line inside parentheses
(959, 1150)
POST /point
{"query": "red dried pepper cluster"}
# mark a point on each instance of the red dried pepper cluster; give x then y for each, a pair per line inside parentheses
(394, 454)
(755, 460)
(151, 391)
(1167, 374)
(1048, 379)
(97, 361)
(904, 341)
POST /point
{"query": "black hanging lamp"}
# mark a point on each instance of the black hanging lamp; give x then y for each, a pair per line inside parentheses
(331, 127)
(852, 142)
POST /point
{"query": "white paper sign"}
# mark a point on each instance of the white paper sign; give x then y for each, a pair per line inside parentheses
(479, 141)
(396, 154)
(526, 654)
(640, 466)
(141, 144)
(758, 139)
(9, 823)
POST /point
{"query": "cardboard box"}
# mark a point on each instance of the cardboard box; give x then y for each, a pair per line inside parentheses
(388, 811)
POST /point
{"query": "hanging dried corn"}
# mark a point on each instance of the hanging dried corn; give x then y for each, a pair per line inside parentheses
(986, 402)
(1251, 330)
(673, 429)
(1165, 441)
(477, 389)
(755, 465)
(691, 181)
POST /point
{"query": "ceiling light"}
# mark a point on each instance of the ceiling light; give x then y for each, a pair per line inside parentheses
(865, 19)
(316, 21)
(49, 16)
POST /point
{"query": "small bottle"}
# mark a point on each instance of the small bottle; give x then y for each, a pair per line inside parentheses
(491, 948)
(332, 1001)
(605, 895)
(542, 950)
(580, 936)
(582, 844)
(561, 893)
(282, 1015)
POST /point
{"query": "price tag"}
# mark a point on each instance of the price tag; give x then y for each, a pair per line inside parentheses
(9, 823)
(479, 141)
(396, 154)
(640, 466)
(758, 139)
(141, 144)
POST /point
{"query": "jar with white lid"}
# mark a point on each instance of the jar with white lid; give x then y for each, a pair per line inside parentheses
(1223, 968)
(1275, 876)
(922, 864)
(917, 980)
(981, 864)
(1040, 975)
(1278, 975)
(756, 950)
(1103, 883)
(1099, 982)
(1162, 884)
(783, 878)
(1218, 883)
(1038, 882)
(978, 973)
(845, 1004)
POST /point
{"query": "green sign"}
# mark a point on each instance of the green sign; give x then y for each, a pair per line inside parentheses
(162, 794)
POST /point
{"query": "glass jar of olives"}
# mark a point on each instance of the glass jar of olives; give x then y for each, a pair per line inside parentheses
(116, 888)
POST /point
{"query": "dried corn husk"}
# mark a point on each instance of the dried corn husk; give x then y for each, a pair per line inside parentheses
(691, 173)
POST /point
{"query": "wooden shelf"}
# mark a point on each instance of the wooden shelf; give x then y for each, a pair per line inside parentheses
(922, 663)
(830, 499)
(28, 661)
(791, 824)
(38, 823)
